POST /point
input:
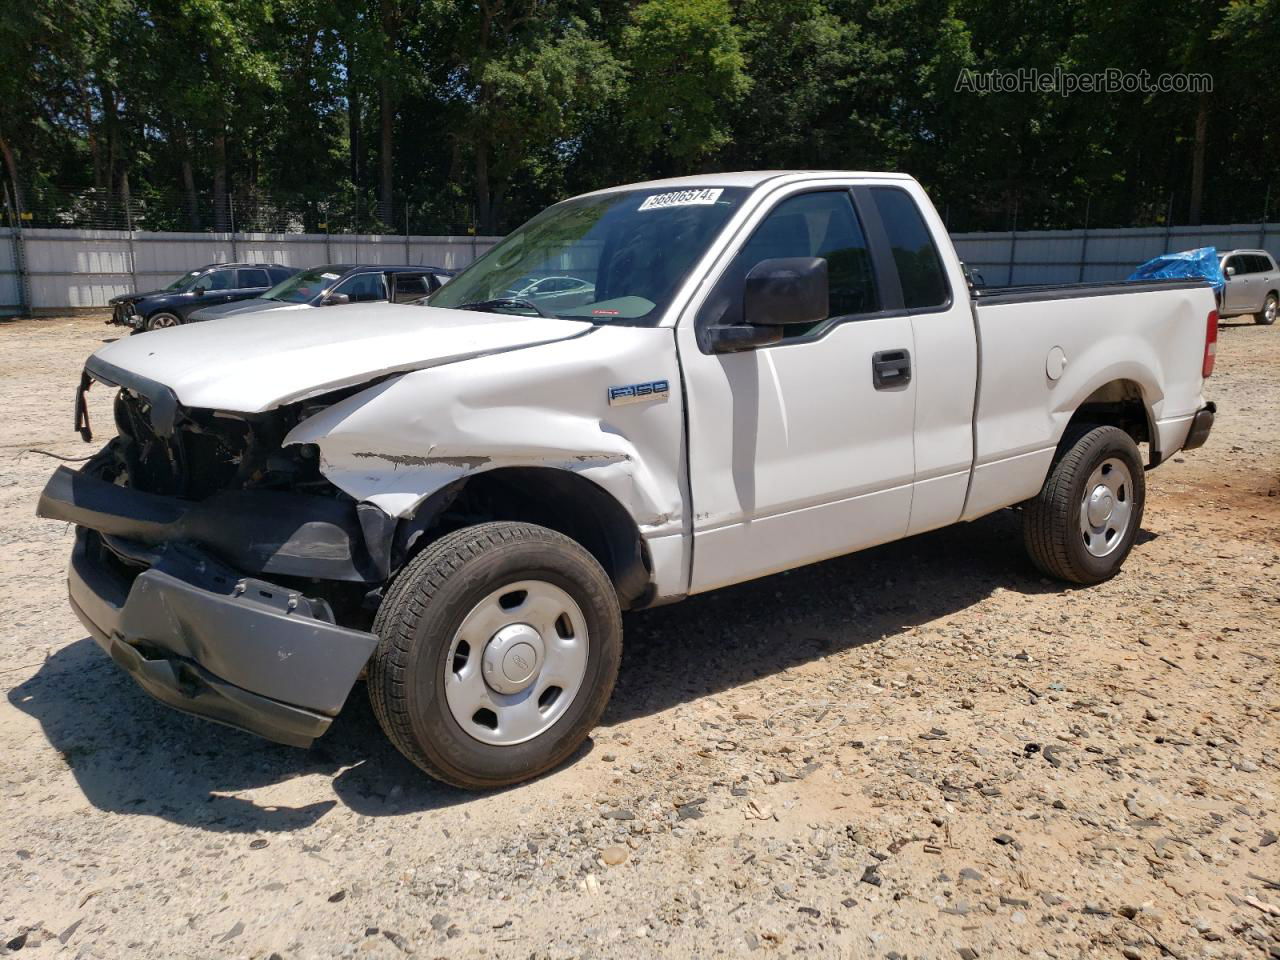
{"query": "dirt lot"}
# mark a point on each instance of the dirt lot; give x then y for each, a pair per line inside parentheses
(922, 750)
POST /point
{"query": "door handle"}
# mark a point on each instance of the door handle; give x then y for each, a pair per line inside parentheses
(890, 368)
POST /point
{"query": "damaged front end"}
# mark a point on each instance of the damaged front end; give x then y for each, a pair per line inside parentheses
(215, 566)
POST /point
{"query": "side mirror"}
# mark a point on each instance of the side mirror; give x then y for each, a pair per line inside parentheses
(198, 291)
(336, 299)
(786, 291)
(777, 293)
(1230, 271)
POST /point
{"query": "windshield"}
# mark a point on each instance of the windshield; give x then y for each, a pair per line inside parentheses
(617, 257)
(303, 287)
(183, 281)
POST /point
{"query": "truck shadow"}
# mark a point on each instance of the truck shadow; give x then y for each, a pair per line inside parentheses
(732, 636)
(130, 755)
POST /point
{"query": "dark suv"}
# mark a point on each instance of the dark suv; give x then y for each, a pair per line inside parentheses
(216, 283)
(338, 283)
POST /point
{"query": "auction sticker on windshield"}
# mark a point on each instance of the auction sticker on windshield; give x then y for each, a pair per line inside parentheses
(681, 198)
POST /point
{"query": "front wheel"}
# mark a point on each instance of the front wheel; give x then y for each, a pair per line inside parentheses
(1082, 524)
(160, 321)
(498, 649)
(1267, 316)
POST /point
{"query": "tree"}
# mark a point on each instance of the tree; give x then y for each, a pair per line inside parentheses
(686, 71)
(525, 73)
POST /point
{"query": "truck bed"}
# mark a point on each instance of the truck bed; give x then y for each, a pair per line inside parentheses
(1038, 292)
(1049, 349)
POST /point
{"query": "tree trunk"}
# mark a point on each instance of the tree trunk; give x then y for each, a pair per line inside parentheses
(189, 190)
(221, 210)
(1197, 160)
(387, 106)
(110, 125)
(11, 165)
(353, 117)
(483, 209)
(122, 188)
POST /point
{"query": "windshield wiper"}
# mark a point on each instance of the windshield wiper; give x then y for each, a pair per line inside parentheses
(506, 302)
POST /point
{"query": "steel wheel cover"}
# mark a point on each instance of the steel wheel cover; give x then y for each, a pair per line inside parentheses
(516, 663)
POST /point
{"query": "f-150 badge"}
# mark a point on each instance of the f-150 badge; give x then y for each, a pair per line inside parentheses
(639, 392)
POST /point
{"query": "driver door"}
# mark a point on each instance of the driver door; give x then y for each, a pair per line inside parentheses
(800, 450)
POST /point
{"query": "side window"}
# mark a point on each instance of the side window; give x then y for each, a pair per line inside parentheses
(819, 224)
(364, 288)
(1238, 264)
(1260, 264)
(279, 273)
(924, 284)
(253, 278)
(409, 286)
(222, 280)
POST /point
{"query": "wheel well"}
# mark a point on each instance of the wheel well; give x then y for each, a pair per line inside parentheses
(557, 499)
(1118, 404)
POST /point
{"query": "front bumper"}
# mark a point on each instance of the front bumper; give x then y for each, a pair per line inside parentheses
(1201, 424)
(201, 638)
(123, 315)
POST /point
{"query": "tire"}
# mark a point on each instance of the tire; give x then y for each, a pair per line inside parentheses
(163, 319)
(1071, 529)
(1267, 316)
(462, 586)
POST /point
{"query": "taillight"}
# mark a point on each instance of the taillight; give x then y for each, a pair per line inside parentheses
(1210, 343)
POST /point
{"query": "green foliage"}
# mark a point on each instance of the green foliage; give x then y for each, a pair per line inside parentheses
(686, 66)
(476, 113)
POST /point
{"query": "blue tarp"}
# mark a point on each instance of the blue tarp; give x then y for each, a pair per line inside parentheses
(1201, 263)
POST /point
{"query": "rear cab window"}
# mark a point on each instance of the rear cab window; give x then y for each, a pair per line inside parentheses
(924, 282)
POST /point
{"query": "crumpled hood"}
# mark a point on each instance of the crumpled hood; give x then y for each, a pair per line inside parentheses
(121, 298)
(243, 365)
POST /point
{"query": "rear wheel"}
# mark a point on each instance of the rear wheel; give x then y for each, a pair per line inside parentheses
(1082, 524)
(498, 649)
(1267, 315)
(159, 321)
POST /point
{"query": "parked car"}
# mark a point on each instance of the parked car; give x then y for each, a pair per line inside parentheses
(1253, 285)
(776, 368)
(338, 283)
(558, 289)
(215, 283)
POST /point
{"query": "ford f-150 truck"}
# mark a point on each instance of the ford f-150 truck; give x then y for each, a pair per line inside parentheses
(459, 500)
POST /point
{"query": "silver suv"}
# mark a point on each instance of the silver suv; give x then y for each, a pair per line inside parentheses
(1253, 285)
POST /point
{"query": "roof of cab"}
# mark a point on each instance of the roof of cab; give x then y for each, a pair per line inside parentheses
(747, 178)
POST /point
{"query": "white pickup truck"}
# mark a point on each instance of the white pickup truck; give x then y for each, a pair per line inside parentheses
(756, 371)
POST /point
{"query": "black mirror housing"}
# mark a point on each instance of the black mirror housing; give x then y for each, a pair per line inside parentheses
(786, 290)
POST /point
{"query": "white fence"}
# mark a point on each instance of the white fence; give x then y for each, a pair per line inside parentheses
(75, 269)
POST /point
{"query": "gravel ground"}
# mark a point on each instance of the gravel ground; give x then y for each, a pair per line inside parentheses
(923, 750)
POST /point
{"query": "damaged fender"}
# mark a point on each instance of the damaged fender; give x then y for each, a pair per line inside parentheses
(404, 439)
